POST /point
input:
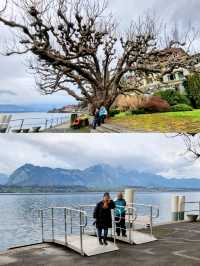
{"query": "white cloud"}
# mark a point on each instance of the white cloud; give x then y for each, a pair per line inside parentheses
(13, 74)
(154, 153)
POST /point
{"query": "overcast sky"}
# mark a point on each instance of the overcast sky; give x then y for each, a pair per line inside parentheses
(18, 87)
(155, 153)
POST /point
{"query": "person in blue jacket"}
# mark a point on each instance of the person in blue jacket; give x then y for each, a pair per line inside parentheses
(120, 215)
(103, 114)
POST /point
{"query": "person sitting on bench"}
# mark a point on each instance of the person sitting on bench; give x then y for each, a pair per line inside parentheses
(77, 123)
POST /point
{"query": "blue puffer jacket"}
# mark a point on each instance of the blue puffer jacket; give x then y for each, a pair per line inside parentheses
(103, 111)
(120, 206)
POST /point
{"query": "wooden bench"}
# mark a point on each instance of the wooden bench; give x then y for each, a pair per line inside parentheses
(80, 122)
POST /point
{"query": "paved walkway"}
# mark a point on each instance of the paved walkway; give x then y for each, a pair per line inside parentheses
(178, 245)
(108, 128)
(63, 128)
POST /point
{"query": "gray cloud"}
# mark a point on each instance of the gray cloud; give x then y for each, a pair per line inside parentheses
(155, 153)
(14, 76)
(7, 92)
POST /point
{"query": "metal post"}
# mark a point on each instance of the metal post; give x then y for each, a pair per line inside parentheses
(46, 124)
(51, 123)
(52, 223)
(199, 209)
(83, 229)
(151, 220)
(113, 224)
(22, 123)
(71, 221)
(114, 233)
(129, 226)
(42, 224)
(65, 216)
(81, 235)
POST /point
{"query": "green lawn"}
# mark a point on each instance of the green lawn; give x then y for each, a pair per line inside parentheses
(160, 122)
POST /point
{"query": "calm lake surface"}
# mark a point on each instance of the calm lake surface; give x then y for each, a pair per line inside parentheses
(19, 222)
(37, 119)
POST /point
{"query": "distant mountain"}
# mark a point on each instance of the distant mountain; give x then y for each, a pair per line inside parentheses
(3, 179)
(10, 108)
(30, 175)
(98, 176)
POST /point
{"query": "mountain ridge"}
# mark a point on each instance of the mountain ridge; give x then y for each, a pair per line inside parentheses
(3, 179)
(96, 176)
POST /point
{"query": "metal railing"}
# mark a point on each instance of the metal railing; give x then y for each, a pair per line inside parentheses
(78, 220)
(32, 123)
(71, 218)
(131, 216)
(146, 214)
(196, 208)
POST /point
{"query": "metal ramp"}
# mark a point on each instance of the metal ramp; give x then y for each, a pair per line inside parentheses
(66, 227)
(91, 245)
(74, 227)
(137, 238)
(137, 215)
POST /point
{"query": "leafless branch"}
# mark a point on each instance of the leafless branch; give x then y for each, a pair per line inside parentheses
(76, 48)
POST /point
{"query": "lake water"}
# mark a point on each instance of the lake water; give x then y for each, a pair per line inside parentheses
(37, 119)
(19, 222)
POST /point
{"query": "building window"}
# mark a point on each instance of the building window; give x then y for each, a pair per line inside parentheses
(181, 76)
(171, 77)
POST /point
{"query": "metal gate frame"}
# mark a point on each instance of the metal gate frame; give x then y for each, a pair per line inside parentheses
(67, 212)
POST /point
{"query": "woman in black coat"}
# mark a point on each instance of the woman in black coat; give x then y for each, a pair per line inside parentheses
(103, 217)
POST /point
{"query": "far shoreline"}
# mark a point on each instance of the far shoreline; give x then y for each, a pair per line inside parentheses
(96, 192)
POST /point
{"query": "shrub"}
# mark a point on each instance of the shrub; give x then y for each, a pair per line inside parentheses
(139, 111)
(192, 85)
(181, 108)
(153, 104)
(173, 97)
(113, 112)
(156, 104)
(128, 102)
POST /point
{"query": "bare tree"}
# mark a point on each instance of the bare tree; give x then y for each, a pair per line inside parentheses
(192, 143)
(77, 48)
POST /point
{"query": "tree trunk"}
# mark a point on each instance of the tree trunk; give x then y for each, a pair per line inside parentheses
(97, 103)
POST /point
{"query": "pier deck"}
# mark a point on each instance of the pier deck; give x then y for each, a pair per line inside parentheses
(65, 128)
(178, 244)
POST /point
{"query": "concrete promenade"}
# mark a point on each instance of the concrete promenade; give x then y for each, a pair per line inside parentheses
(178, 245)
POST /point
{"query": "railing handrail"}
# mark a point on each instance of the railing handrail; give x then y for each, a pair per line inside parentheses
(83, 214)
(69, 209)
(82, 217)
(144, 205)
(42, 121)
(152, 208)
(191, 202)
(35, 118)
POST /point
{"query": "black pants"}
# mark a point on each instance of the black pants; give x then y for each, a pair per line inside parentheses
(105, 235)
(96, 122)
(120, 226)
(102, 119)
